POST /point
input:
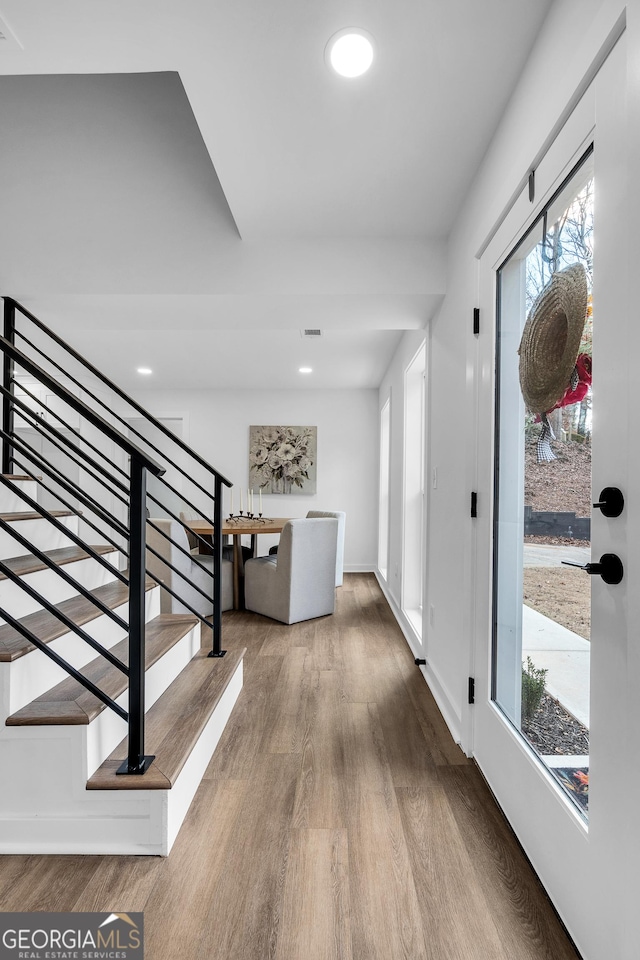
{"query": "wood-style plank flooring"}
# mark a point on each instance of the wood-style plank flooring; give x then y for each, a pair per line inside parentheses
(336, 821)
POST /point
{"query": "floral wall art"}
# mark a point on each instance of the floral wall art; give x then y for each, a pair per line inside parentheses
(283, 459)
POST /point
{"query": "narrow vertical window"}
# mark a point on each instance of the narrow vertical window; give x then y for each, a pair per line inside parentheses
(413, 526)
(383, 509)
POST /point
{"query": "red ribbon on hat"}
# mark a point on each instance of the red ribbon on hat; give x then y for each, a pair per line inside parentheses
(574, 394)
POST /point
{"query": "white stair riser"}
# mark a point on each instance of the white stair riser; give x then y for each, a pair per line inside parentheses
(87, 572)
(126, 825)
(30, 676)
(107, 730)
(94, 742)
(12, 501)
(66, 818)
(48, 757)
(39, 532)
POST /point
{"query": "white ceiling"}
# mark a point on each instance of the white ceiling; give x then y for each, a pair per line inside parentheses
(188, 170)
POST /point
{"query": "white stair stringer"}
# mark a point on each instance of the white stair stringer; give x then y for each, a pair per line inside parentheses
(45, 807)
(26, 678)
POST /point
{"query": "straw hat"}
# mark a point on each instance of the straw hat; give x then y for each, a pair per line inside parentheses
(551, 338)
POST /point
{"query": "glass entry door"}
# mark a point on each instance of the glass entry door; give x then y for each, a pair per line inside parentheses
(542, 510)
(572, 805)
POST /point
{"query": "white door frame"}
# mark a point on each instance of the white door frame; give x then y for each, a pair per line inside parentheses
(590, 874)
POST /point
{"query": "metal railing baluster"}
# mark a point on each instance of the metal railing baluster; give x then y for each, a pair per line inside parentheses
(136, 762)
(217, 572)
(7, 380)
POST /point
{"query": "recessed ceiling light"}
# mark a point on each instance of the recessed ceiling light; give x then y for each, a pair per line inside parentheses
(145, 371)
(350, 52)
(305, 370)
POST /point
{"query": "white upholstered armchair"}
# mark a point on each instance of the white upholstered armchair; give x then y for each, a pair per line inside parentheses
(341, 517)
(192, 571)
(297, 583)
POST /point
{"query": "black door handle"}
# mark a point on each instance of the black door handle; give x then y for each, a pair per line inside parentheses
(611, 502)
(609, 567)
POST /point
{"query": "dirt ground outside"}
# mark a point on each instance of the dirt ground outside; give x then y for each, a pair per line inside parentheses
(564, 484)
(561, 594)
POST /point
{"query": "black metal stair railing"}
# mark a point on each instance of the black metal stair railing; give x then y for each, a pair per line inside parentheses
(80, 453)
(43, 464)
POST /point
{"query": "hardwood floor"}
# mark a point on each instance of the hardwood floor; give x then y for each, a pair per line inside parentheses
(337, 820)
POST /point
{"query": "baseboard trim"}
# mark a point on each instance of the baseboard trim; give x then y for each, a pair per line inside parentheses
(444, 700)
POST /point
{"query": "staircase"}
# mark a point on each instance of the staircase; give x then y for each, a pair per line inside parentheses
(110, 709)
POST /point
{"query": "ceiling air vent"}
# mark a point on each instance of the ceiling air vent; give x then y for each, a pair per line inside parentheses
(310, 334)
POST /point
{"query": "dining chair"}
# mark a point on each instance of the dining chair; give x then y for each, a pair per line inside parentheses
(299, 582)
(191, 571)
(341, 517)
(196, 546)
(194, 543)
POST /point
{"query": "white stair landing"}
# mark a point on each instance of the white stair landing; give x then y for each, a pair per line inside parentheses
(124, 815)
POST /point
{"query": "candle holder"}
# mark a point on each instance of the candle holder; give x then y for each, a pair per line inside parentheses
(247, 517)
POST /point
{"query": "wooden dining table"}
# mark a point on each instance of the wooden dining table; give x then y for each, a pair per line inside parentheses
(237, 528)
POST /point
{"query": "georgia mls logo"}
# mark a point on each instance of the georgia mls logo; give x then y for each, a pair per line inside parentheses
(71, 936)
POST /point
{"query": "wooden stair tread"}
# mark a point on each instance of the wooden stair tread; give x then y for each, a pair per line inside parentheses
(48, 627)
(69, 702)
(173, 724)
(20, 476)
(26, 563)
(32, 515)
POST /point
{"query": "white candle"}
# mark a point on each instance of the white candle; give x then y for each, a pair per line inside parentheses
(240, 499)
(231, 507)
(248, 500)
(260, 495)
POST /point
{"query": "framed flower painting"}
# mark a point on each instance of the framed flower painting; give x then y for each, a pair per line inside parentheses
(283, 459)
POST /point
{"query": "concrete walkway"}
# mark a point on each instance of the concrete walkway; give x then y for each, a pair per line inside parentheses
(564, 654)
(552, 555)
(551, 646)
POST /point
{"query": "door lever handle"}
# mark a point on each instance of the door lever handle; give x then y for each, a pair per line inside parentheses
(611, 502)
(609, 567)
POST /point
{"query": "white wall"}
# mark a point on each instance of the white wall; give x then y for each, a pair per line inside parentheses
(217, 426)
